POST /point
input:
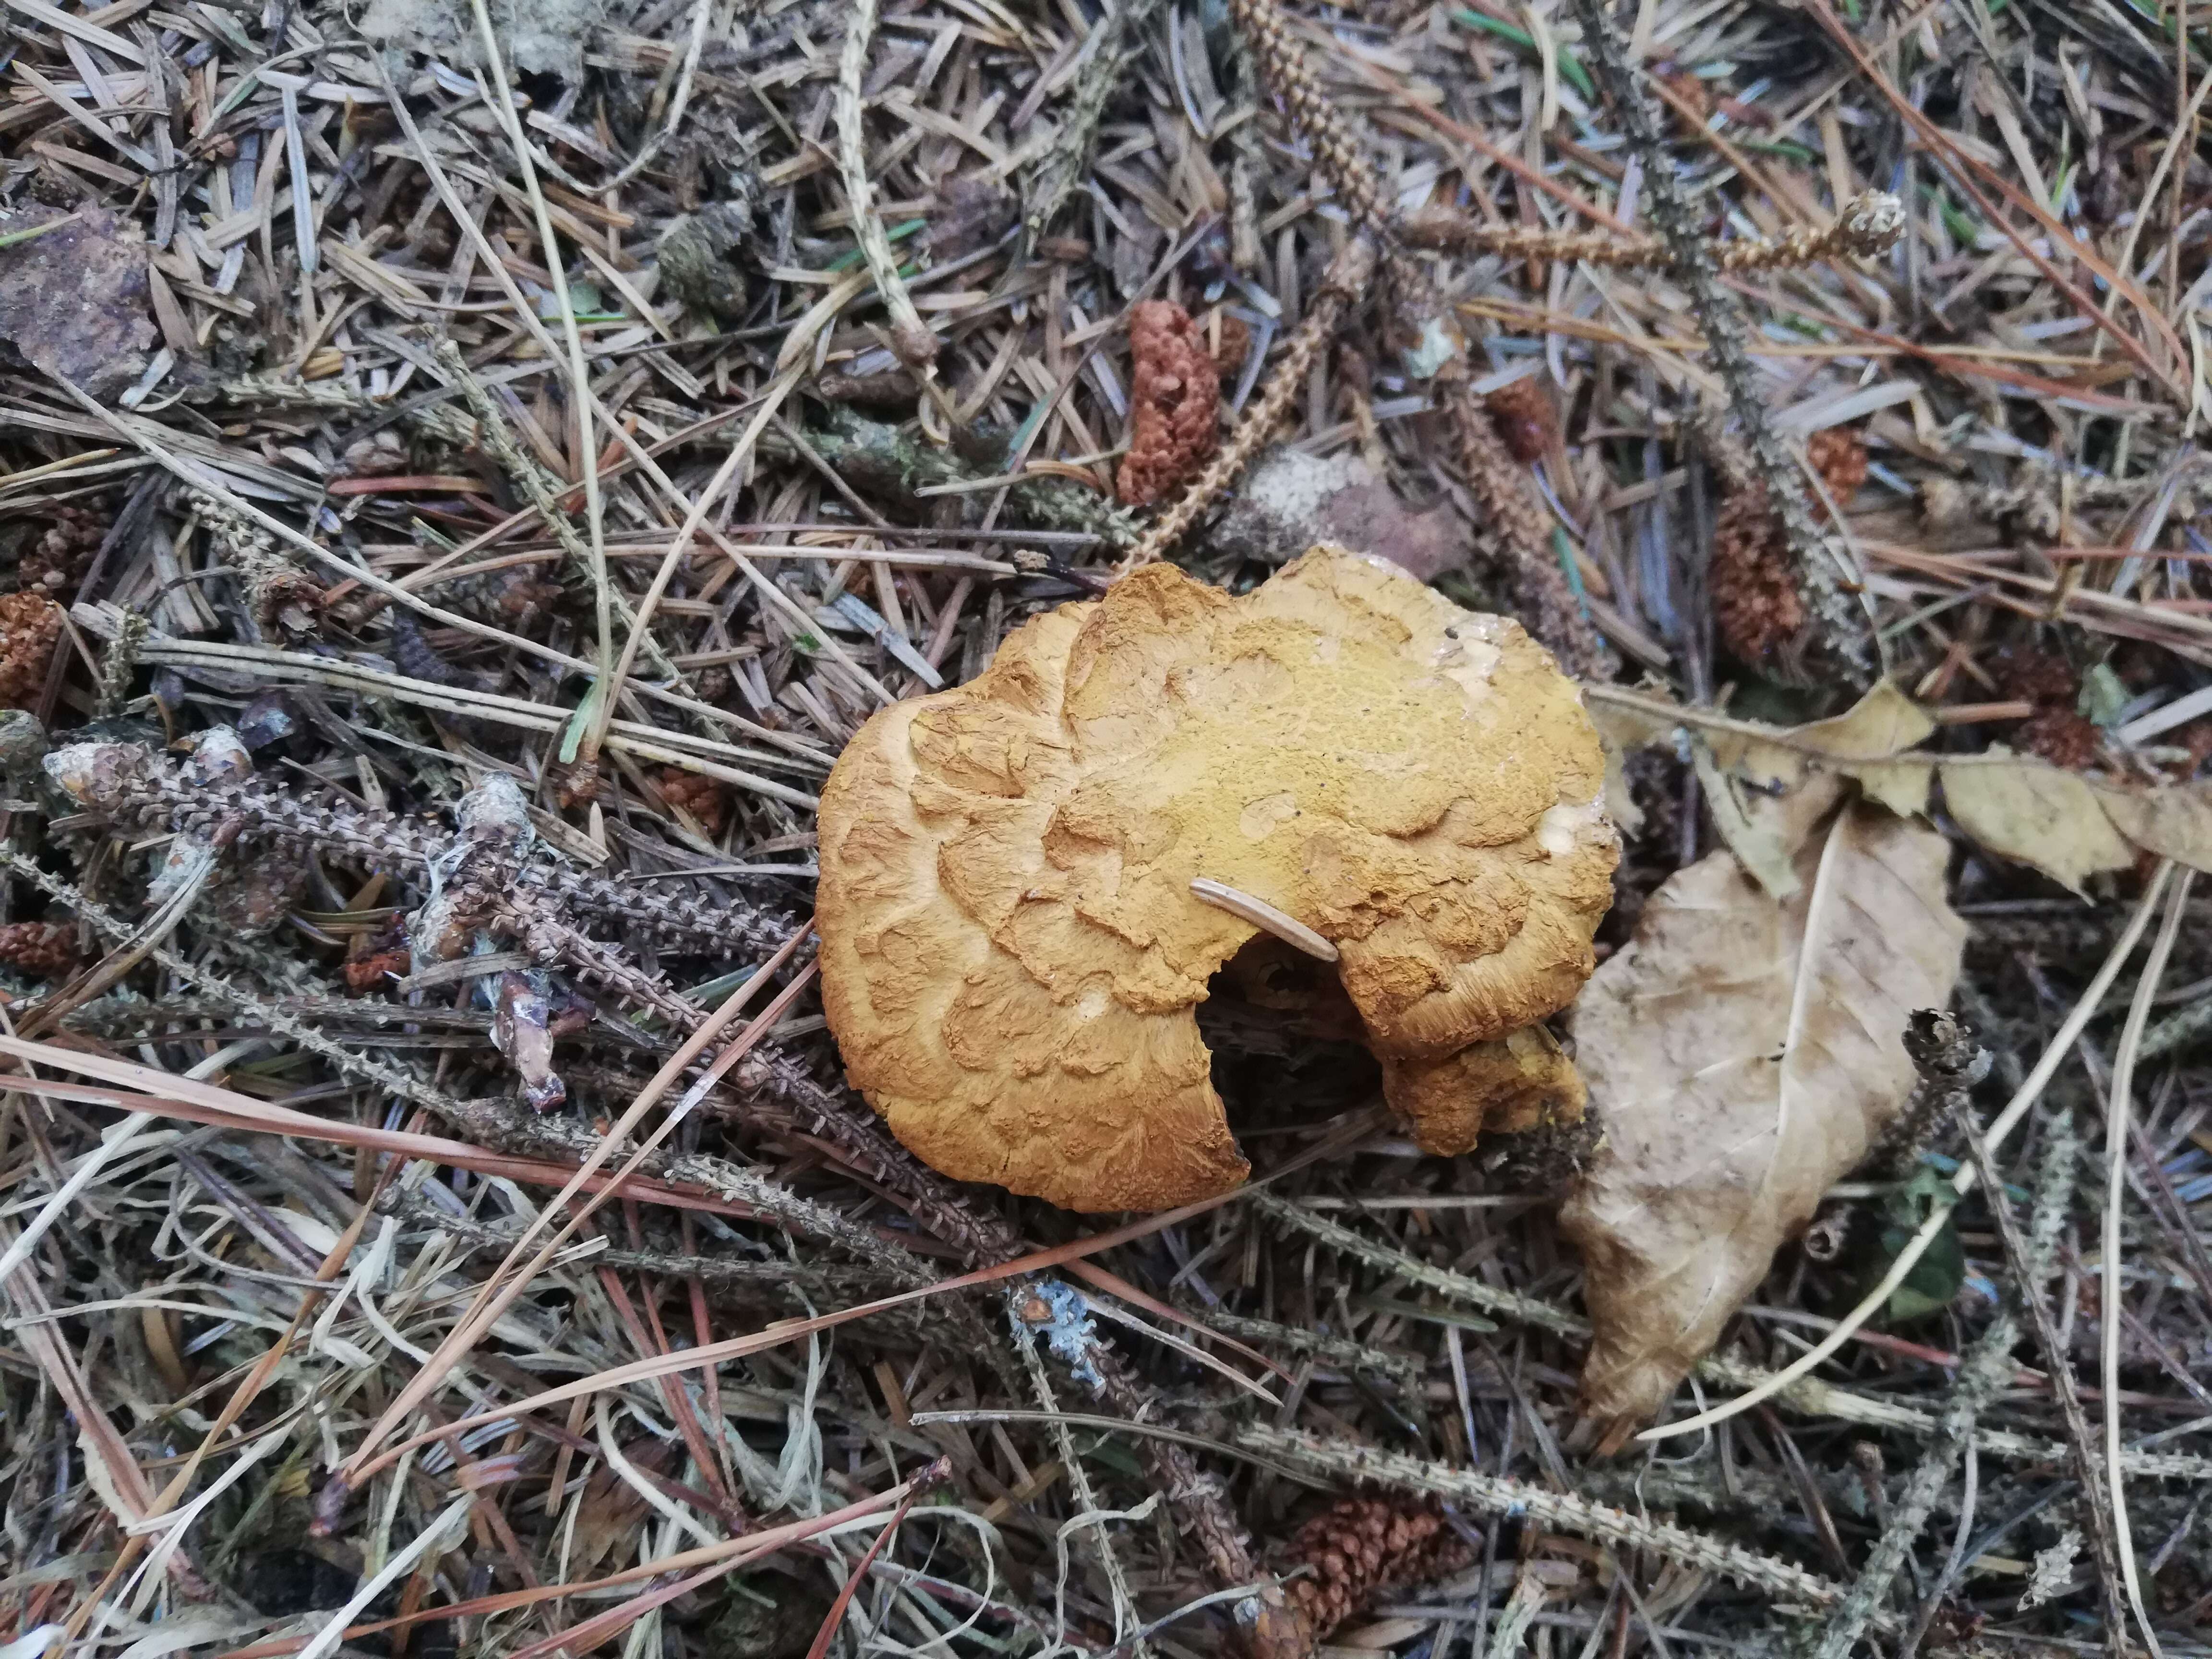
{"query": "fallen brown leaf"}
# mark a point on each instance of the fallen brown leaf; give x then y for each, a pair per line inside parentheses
(1766, 786)
(1742, 1054)
(612, 1508)
(2037, 814)
(2174, 823)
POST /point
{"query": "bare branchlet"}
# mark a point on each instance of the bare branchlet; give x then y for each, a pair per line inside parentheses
(1338, 154)
(1842, 642)
(1538, 588)
(1950, 1062)
(1346, 1460)
(1533, 577)
(1868, 226)
(544, 491)
(128, 785)
(1810, 1395)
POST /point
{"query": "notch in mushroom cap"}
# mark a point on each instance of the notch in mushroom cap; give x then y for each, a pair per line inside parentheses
(1010, 949)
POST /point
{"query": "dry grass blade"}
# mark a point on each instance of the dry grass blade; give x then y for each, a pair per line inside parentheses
(2117, 1121)
(515, 1272)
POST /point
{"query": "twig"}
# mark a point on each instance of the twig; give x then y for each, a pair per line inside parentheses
(2112, 1302)
(1539, 590)
(911, 343)
(1338, 154)
(1536, 582)
(491, 425)
(1981, 1375)
(128, 786)
(582, 406)
(2029, 1258)
(1100, 75)
(1807, 1394)
(2178, 1029)
(1347, 1460)
(1845, 643)
(1950, 1062)
(1025, 1332)
(1866, 227)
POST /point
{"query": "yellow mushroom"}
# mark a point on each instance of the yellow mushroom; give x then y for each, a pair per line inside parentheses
(1011, 947)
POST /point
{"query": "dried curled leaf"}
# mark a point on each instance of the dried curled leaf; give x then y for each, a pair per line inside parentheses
(2175, 822)
(2035, 814)
(1742, 1053)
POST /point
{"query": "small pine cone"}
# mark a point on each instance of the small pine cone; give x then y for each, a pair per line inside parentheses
(44, 949)
(1756, 607)
(30, 628)
(1838, 454)
(1359, 1547)
(1174, 398)
(2057, 731)
(702, 798)
(1522, 412)
(2064, 738)
(55, 566)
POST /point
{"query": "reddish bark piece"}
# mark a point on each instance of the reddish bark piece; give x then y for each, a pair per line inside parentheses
(73, 301)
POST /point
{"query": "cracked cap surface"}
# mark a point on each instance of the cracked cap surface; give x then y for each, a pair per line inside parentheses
(1010, 955)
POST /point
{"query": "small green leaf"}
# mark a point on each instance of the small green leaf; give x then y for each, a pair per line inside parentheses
(2102, 696)
(572, 736)
(1938, 1276)
(13, 238)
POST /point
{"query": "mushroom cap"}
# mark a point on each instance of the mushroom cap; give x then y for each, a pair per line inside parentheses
(1011, 953)
(1505, 1086)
